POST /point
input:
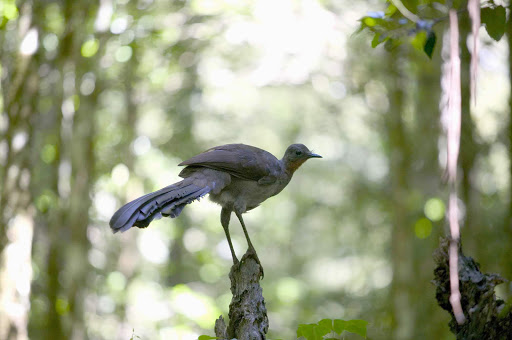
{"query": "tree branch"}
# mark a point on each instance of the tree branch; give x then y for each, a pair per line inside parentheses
(405, 12)
(487, 316)
(247, 312)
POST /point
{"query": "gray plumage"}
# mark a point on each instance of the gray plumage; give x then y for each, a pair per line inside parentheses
(236, 176)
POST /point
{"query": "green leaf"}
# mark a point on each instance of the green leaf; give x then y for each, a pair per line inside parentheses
(425, 41)
(430, 44)
(378, 39)
(419, 40)
(391, 44)
(314, 331)
(318, 331)
(494, 20)
(339, 326)
(207, 337)
(326, 323)
(306, 331)
(375, 40)
(377, 23)
(133, 335)
(369, 21)
(390, 10)
(323, 329)
(352, 326)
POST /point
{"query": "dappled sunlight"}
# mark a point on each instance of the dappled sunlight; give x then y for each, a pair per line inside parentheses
(195, 306)
(16, 276)
(350, 274)
(194, 240)
(147, 303)
(153, 246)
(105, 205)
(211, 273)
(120, 174)
(222, 249)
(434, 209)
(101, 102)
(30, 43)
(284, 30)
(141, 145)
(493, 83)
(178, 333)
(289, 290)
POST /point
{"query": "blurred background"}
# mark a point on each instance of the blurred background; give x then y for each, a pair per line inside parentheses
(101, 100)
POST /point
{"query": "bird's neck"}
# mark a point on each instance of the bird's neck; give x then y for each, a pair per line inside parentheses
(291, 166)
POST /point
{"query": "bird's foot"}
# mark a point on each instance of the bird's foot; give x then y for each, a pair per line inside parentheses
(251, 252)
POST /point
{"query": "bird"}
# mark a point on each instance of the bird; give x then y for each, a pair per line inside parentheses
(238, 177)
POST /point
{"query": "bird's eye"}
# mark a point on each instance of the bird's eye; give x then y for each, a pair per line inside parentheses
(298, 152)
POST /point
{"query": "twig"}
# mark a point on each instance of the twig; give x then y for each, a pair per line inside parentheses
(454, 114)
(405, 12)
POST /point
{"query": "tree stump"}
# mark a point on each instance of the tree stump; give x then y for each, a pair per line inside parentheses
(486, 316)
(247, 312)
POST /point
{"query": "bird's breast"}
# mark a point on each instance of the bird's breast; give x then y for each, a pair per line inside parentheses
(245, 195)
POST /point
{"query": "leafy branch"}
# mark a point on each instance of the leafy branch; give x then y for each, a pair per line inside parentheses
(397, 24)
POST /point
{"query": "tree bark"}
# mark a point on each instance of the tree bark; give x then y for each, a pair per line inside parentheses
(402, 312)
(507, 264)
(487, 317)
(247, 312)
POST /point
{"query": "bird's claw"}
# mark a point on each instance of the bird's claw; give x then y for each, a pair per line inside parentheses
(251, 252)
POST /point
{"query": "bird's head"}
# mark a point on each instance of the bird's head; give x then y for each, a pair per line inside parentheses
(296, 155)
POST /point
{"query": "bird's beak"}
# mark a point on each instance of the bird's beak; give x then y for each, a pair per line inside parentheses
(314, 155)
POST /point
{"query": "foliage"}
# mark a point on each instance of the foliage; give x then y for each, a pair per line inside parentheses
(317, 331)
(208, 337)
(393, 28)
(100, 114)
(134, 336)
(494, 19)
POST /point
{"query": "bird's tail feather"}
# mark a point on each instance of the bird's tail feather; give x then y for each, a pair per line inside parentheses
(168, 201)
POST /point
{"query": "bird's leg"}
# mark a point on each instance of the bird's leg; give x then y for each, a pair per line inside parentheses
(251, 250)
(239, 215)
(225, 216)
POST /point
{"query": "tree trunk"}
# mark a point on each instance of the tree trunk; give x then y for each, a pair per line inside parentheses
(469, 149)
(507, 264)
(487, 316)
(402, 311)
(247, 312)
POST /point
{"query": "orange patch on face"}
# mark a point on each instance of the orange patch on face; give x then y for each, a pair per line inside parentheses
(296, 164)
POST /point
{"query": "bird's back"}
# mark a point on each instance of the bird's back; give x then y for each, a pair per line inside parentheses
(239, 160)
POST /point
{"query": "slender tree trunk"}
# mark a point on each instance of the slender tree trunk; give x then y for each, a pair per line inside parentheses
(403, 313)
(427, 180)
(507, 264)
(48, 227)
(20, 85)
(469, 149)
(82, 163)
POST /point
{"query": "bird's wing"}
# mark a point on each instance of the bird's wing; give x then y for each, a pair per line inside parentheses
(239, 160)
